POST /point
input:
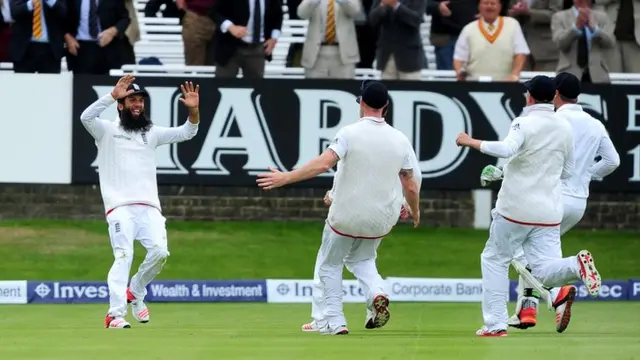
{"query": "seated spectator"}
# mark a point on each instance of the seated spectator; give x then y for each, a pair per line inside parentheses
(331, 46)
(585, 38)
(400, 53)
(492, 46)
(5, 30)
(625, 16)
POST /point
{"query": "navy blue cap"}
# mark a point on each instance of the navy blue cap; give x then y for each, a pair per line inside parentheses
(137, 90)
(568, 85)
(373, 94)
(541, 88)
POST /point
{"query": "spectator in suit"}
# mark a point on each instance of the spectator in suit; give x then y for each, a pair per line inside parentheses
(249, 31)
(36, 43)
(5, 30)
(492, 46)
(331, 46)
(94, 45)
(198, 31)
(625, 16)
(448, 18)
(535, 18)
(585, 38)
(152, 8)
(294, 56)
(400, 53)
(132, 34)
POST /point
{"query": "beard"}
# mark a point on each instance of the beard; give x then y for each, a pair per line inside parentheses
(132, 123)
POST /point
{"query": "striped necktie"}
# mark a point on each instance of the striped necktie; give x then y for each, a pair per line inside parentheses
(490, 27)
(36, 28)
(330, 31)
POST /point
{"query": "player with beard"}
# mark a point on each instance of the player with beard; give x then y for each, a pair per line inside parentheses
(127, 173)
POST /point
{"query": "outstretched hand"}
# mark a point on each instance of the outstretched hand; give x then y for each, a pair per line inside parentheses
(190, 95)
(120, 90)
(272, 180)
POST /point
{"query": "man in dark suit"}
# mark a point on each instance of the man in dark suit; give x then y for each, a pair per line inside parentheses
(246, 37)
(5, 30)
(400, 53)
(94, 45)
(36, 35)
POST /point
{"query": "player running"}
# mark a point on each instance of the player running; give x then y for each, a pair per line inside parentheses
(373, 158)
(591, 140)
(529, 208)
(127, 172)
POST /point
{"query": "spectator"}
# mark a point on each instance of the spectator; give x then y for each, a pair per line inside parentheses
(625, 16)
(400, 53)
(294, 56)
(585, 38)
(492, 46)
(5, 30)
(36, 44)
(152, 8)
(132, 34)
(535, 18)
(198, 30)
(367, 37)
(249, 30)
(94, 45)
(447, 21)
(331, 46)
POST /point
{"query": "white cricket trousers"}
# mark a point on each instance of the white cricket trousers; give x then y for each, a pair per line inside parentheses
(127, 223)
(336, 251)
(542, 250)
(574, 209)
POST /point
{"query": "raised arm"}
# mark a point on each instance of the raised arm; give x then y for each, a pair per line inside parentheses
(378, 12)
(191, 99)
(89, 117)
(412, 13)
(563, 36)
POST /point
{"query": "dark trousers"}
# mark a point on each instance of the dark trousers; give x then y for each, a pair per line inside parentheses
(38, 58)
(92, 59)
(5, 35)
(250, 58)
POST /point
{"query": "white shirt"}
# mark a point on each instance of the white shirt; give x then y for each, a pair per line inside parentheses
(126, 160)
(5, 10)
(83, 26)
(367, 192)
(249, 38)
(590, 141)
(461, 50)
(540, 148)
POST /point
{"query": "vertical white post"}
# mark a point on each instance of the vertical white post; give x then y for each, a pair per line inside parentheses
(482, 203)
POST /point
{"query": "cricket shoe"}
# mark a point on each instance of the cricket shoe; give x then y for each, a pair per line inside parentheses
(562, 304)
(380, 315)
(310, 327)
(527, 317)
(138, 308)
(111, 322)
(340, 330)
(588, 273)
(484, 332)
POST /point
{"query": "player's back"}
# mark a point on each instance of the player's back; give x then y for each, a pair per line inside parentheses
(531, 190)
(588, 132)
(367, 194)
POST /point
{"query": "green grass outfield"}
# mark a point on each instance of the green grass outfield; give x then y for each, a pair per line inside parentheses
(80, 251)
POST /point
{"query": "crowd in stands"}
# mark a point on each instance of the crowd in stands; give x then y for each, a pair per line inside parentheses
(493, 39)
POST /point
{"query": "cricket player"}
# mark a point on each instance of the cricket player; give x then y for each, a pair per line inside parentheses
(127, 173)
(529, 208)
(591, 140)
(371, 322)
(373, 158)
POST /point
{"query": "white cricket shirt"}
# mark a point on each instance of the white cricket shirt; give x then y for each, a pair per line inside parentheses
(126, 160)
(367, 191)
(540, 145)
(590, 139)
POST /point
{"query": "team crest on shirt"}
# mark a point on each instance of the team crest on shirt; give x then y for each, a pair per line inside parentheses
(144, 138)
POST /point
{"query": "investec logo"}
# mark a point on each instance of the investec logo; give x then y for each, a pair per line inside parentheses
(71, 291)
(256, 142)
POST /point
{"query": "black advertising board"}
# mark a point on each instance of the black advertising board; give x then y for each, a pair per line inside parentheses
(249, 126)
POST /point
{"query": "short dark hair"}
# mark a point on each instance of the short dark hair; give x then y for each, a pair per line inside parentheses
(566, 99)
(541, 102)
